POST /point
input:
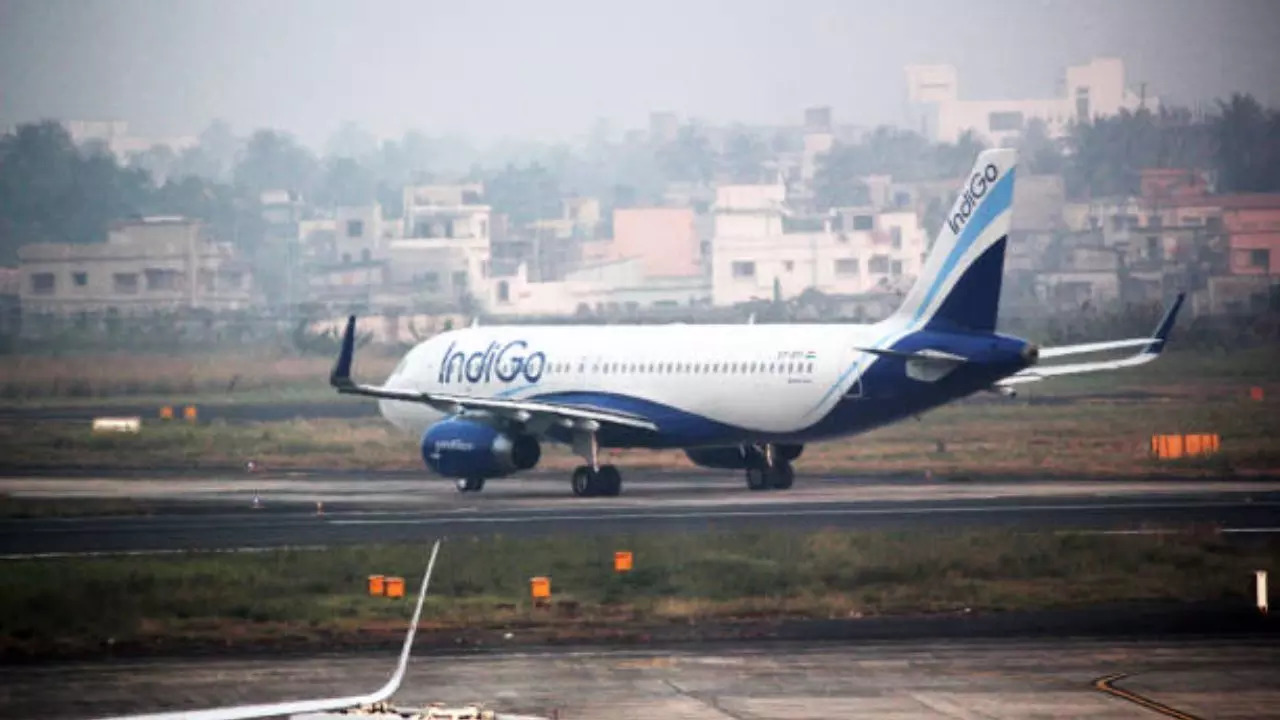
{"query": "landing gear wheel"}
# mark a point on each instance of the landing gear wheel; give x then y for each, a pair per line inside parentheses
(469, 484)
(606, 481)
(782, 476)
(757, 479)
(584, 481)
(609, 481)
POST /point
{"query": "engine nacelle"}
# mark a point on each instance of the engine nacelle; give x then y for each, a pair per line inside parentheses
(738, 458)
(458, 448)
(720, 458)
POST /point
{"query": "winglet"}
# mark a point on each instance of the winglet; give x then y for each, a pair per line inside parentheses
(301, 707)
(1165, 327)
(394, 683)
(341, 376)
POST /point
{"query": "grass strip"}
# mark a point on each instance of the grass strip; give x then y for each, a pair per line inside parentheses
(313, 598)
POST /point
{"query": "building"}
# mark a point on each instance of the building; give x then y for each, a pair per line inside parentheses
(1176, 235)
(665, 239)
(361, 234)
(115, 136)
(756, 255)
(147, 265)
(444, 253)
(1096, 89)
(609, 288)
(553, 247)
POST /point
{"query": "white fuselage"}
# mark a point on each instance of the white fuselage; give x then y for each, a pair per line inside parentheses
(766, 379)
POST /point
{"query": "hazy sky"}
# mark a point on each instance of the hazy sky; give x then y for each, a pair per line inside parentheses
(548, 68)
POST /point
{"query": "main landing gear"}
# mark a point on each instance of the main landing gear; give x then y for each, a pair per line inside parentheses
(605, 481)
(767, 471)
(593, 479)
(779, 477)
(469, 484)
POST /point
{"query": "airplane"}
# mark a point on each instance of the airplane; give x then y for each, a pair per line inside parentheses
(748, 397)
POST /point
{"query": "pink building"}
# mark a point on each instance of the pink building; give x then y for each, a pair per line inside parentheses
(1252, 223)
(665, 238)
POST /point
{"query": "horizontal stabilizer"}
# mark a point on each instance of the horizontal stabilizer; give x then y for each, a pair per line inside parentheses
(1065, 350)
(933, 355)
(923, 365)
(1151, 348)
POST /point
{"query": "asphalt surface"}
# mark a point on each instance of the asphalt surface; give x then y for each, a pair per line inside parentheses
(1229, 678)
(219, 512)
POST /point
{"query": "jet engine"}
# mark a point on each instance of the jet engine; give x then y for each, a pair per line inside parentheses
(459, 448)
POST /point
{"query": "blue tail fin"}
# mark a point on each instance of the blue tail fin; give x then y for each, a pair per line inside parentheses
(959, 288)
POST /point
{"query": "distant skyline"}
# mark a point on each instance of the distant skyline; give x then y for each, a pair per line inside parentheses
(499, 69)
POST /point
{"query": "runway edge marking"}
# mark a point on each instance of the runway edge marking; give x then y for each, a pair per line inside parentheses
(1107, 684)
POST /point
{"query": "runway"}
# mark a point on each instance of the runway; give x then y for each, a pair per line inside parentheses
(993, 680)
(216, 513)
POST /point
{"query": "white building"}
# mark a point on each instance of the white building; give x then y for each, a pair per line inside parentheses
(146, 265)
(115, 135)
(856, 251)
(445, 250)
(602, 288)
(1092, 90)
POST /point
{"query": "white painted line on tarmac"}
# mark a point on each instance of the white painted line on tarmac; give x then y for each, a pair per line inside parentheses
(171, 551)
(778, 512)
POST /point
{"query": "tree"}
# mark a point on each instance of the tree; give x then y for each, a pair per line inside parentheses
(346, 181)
(158, 161)
(52, 192)
(275, 161)
(837, 179)
(351, 141)
(218, 149)
(689, 157)
(744, 158)
(1108, 154)
(1040, 154)
(1248, 157)
(216, 204)
(955, 159)
(524, 194)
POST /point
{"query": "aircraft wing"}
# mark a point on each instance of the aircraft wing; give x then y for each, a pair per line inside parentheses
(519, 410)
(1150, 350)
(268, 710)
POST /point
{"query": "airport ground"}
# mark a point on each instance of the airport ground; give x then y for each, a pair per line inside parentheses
(966, 553)
(1014, 679)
